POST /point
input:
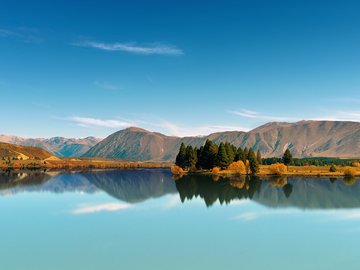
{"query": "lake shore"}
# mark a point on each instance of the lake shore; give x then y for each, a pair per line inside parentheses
(307, 171)
(78, 163)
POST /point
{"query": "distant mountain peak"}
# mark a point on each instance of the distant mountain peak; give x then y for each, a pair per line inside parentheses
(136, 129)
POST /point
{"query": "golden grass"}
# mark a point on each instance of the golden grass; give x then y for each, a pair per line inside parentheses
(77, 163)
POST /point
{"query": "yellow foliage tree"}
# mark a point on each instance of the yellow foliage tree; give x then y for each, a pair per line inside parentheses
(278, 168)
(349, 171)
(356, 164)
(238, 166)
(215, 170)
(176, 169)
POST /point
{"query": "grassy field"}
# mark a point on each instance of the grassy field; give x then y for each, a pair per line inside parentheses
(76, 163)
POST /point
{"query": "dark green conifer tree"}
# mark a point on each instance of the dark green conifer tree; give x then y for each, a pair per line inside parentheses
(258, 157)
(190, 157)
(229, 152)
(246, 153)
(254, 166)
(208, 157)
(180, 158)
(240, 155)
(222, 159)
(287, 157)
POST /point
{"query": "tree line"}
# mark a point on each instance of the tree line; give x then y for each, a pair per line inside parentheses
(212, 155)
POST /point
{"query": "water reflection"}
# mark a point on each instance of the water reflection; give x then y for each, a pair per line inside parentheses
(134, 186)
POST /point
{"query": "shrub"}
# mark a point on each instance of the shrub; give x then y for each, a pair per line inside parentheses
(356, 164)
(176, 169)
(238, 166)
(215, 170)
(349, 171)
(278, 168)
(333, 168)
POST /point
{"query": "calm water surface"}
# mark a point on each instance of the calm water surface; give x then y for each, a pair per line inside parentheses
(143, 219)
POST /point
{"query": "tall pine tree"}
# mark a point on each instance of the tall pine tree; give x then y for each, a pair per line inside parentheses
(258, 157)
(180, 158)
(254, 166)
(287, 157)
(222, 159)
(229, 152)
(208, 157)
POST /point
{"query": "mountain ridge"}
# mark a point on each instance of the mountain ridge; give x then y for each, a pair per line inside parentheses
(59, 146)
(306, 138)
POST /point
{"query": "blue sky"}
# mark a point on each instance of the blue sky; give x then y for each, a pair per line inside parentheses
(177, 67)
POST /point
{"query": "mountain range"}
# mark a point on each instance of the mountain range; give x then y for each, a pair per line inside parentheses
(59, 146)
(304, 139)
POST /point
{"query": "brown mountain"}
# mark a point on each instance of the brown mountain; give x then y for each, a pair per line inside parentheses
(304, 138)
(8, 150)
(59, 146)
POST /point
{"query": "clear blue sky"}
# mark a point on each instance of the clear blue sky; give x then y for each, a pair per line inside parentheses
(79, 68)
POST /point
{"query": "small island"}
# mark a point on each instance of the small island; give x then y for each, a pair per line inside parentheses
(227, 159)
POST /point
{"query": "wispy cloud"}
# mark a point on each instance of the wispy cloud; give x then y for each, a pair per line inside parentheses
(341, 116)
(256, 115)
(97, 122)
(155, 48)
(159, 125)
(203, 130)
(106, 85)
(95, 208)
(26, 35)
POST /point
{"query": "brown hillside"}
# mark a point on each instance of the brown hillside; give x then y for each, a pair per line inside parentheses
(8, 150)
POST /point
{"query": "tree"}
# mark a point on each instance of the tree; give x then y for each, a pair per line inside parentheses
(254, 166)
(180, 158)
(258, 157)
(222, 159)
(240, 155)
(246, 153)
(208, 157)
(190, 157)
(333, 168)
(287, 157)
(230, 152)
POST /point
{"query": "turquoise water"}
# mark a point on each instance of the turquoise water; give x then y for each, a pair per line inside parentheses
(143, 219)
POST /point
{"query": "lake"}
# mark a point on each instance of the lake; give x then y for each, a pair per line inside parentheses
(144, 219)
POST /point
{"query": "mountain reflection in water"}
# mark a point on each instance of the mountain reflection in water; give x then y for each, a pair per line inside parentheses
(135, 186)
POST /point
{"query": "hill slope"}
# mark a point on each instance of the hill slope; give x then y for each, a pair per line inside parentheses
(8, 150)
(59, 146)
(304, 138)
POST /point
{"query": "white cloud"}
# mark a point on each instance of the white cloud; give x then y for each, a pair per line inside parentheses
(204, 130)
(26, 35)
(105, 85)
(96, 122)
(341, 116)
(156, 48)
(256, 115)
(106, 207)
